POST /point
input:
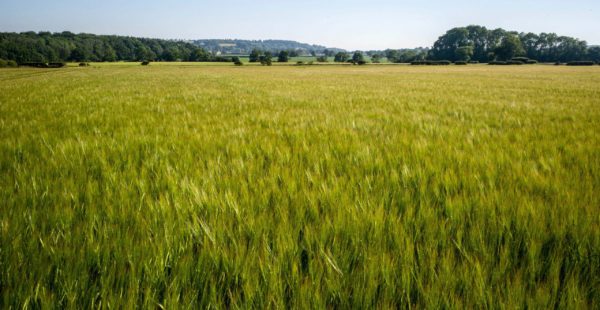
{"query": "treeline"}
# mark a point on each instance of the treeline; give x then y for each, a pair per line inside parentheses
(66, 46)
(245, 47)
(478, 43)
(463, 44)
(399, 55)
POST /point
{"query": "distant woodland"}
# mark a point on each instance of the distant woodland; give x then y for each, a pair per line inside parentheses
(245, 47)
(481, 44)
(472, 43)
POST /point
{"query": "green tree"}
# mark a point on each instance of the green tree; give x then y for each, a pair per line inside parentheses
(255, 55)
(445, 47)
(510, 47)
(110, 54)
(79, 54)
(284, 56)
(144, 53)
(200, 54)
(593, 53)
(531, 45)
(171, 54)
(341, 57)
(358, 57)
(464, 53)
(266, 59)
(392, 55)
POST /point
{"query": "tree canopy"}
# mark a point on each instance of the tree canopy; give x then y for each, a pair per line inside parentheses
(284, 56)
(471, 43)
(357, 57)
(67, 46)
(341, 57)
(481, 44)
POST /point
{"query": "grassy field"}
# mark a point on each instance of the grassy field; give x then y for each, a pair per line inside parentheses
(186, 186)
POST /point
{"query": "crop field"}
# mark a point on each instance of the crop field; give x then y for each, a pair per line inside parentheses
(309, 187)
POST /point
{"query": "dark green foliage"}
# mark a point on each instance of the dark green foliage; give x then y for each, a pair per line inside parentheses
(593, 54)
(405, 55)
(358, 57)
(322, 58)
(524, 60)
(236, 60)
(284, 56)
(84, 64)
(460, 63)
(145, 63)
(266, 59)
(510, 47)
(222, 59)
(464, 53)
(431, 63)
(45, 47)
(581, 63)
(255, 55)
(505, 63)
(473, 62)
(201, 55)
(489, 44)
(341, 57)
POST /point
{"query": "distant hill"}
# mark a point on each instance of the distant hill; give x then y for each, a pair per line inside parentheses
(244, 47)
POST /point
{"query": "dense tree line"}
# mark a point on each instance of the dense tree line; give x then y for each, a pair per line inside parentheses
(478, 43)
(67, 46)
(405, 55)
(472, 43)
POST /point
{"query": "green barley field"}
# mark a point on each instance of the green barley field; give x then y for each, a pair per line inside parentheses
(215, 186)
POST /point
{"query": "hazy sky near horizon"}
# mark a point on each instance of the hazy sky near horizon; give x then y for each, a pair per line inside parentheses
(348, 24)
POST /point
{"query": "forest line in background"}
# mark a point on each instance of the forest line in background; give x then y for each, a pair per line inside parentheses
(471, 43)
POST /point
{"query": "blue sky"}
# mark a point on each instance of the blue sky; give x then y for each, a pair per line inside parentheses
(349, 24)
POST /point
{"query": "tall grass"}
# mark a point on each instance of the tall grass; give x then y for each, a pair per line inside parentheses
(300, 187)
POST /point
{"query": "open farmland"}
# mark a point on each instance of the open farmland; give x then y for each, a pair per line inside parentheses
(303, 187)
